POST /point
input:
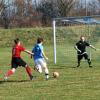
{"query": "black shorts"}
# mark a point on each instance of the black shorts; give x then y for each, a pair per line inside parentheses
(83, 56)
(17, 62)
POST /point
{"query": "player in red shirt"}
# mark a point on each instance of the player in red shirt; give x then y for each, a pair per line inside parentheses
(17, 60)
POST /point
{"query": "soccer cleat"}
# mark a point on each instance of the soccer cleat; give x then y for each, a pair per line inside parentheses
(32, 77)
(90, 66)
(78, 65)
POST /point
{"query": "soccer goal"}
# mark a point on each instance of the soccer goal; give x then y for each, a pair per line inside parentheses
(67, 31)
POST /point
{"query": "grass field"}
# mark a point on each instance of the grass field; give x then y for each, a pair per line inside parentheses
(73, 84)
(81, 83)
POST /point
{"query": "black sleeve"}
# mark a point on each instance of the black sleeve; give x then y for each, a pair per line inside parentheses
(87, 44)
(77, 43)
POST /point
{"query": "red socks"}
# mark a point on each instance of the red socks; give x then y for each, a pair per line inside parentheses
(29, 71)
(9, 73)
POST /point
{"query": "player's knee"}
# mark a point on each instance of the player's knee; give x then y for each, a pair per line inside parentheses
(44, 66)
(89, 60)
(13, 70)
(26, 65)
(78, 61)
(40, 70)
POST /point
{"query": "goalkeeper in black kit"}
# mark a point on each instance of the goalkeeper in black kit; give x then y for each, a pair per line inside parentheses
(81, 50)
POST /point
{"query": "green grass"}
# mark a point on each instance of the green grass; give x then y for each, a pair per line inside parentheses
(27, 35)
(81, 83)
(73, 84)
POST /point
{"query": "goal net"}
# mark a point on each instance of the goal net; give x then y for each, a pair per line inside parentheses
(67, 32)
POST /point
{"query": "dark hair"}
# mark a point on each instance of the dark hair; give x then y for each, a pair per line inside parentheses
(39, 40)
(16, 40)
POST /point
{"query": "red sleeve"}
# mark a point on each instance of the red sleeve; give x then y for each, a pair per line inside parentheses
(22, 48)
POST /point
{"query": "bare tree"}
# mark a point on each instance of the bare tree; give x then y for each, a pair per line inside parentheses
(93, 7)
(83, 8)
(99, 7)
(65, 6)
(1, 6)
(20, 7)
(4, 13)
(99, 1)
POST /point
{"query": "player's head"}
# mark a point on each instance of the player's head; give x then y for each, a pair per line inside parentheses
(82, 38)
(39, 40)
(16, 41)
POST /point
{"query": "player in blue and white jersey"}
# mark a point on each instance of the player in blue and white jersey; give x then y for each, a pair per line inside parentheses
(40, 58)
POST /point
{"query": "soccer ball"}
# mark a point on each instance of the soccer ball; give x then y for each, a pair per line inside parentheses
(55, 74)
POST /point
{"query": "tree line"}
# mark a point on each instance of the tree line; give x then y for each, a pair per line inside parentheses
(29, 13)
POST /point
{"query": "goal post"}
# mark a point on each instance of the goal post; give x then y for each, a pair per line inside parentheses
(67, 30)
(54, 35)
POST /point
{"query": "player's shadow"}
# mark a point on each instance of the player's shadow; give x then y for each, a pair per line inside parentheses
(1, 82)
(13, 81)
(73, 67)
(61, 67)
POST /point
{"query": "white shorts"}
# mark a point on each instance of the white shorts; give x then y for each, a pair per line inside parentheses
(40, 64)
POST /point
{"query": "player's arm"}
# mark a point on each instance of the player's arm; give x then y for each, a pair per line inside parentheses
(42, 50)
(92, 47)
(32, 52)
(87, 44)
(76, 48)
(44, 55)
(28, 52)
